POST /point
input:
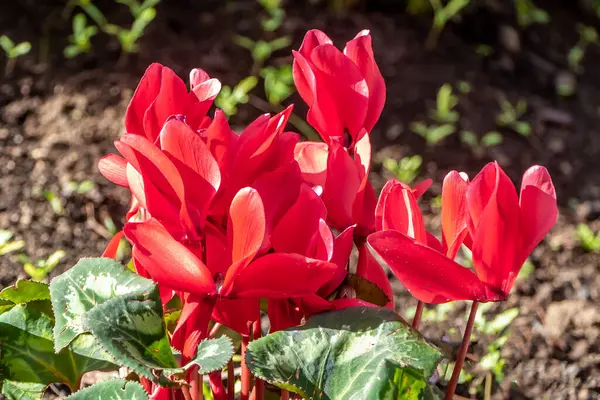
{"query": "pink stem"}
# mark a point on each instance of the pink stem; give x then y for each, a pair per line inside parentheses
(418, 312)
(246, 379)
(230, 381)
(462, 353)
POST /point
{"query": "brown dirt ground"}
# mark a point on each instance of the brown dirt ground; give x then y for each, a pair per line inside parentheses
(58, 117)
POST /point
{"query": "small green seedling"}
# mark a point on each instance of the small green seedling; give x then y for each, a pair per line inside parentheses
(276, 15)
(510, 116)
(587, 36)
(528, 13)
(54, 201)
(13, 51)
(80, 39)
(82, 187)
(261, 50)
(464, 87)
(279, 83)
(229, 98)
(406, 170)
(136, 8)
(477, 145)
(442, 14)
(484, 50)
(444, 112)
(433, 134)
(8, 246)
(39, 270)
(588, 240)
(129, 37)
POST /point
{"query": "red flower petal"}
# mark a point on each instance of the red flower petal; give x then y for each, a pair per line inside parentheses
(237, 314)
(497, 228)
(427, 274)
(360, 51)
(167, 261)
(312, 158)
(113, 245)
(172, 99)
(402, 213)
(247, 226)
(371, 270)
(279, 276)
(192, 325)
(296, 230)
(363, 208)
(220, 139)
(144, 95)
(455, 213)
(342, 183)
(113, 168)
(342, 80)
(539, 211)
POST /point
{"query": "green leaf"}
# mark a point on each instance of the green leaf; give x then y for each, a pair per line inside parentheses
(22, 390)
(501, 321)
(407, 384)
(6, 43)
(352, 352)
(211, 355)
(124, 313)
(114, 389)
(27, 349)
(491, 139)
(92, 281)
(25, 291)
(21, 49)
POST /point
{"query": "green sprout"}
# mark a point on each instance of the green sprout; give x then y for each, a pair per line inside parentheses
(80, 39)
(229, 98)
(443, 14)
(433, 134)
(82, 187)
(528, 13)
(406, 170)
(477, 145)
(276, 15)
(129, 37)
(39, 270)
(54, 201)
(262, 50)
(8, 246)
(136, 8)
(279, 83)
(587, 36)
(588, 240)
(510, 115)
(13, 51)
(445, 102)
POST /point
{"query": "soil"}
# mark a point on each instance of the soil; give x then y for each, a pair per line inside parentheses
(58, 117)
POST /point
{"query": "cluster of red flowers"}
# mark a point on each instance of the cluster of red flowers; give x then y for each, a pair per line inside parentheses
(224, 220)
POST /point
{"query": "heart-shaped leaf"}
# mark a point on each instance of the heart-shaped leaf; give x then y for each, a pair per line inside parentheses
(25, 291)
(357, 352)
(27, 358)
(124, 313)
(114, 389)
(92, 281)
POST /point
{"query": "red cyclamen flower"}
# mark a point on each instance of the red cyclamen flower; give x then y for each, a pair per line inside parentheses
(345, 91)
(501, 228)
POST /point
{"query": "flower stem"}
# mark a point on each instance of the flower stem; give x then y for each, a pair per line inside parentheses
(462, 353)
(418, 312)
(230, 381)
(245, 394)
(186, 393)
(259, 386)
(285, 395)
